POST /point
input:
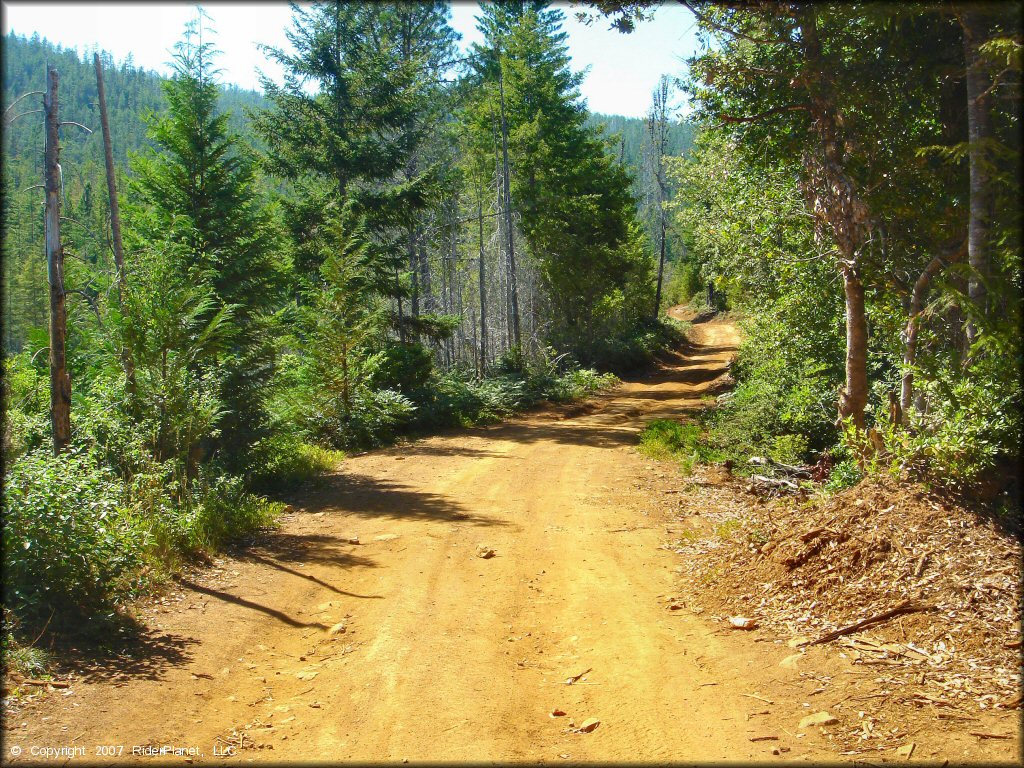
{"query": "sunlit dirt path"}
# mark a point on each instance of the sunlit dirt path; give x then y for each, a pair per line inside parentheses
(446, 655)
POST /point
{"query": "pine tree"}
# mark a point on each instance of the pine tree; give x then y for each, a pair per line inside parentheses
(573, 201)
(199, 193)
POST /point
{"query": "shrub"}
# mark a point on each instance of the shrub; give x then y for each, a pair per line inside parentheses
(217, 511)
(71, 543)
(285, 459)
(26, 393)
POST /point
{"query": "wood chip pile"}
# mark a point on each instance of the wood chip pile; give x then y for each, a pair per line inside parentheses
(939, 585)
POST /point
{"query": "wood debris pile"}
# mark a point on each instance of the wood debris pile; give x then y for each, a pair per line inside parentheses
(937, 587)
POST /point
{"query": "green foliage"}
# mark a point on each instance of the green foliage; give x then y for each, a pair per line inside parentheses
(71, 542)
(283, 460)
(217, 511)
(195, 195)
(972, 431)
(687, 444)
(132, 93)
(26, 402)
(845, 474)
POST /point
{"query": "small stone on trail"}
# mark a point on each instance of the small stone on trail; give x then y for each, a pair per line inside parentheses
(353, 539)
(906, 750)
(337, 629)
(741, 622)
(485, 552)
(588, 725)
(818, 718)
(557, 713)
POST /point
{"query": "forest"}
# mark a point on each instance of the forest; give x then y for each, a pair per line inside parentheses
(400, 239)
(422, 242)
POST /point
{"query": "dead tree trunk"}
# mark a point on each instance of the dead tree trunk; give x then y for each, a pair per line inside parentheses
(483, 287)
(60, 381)
(115, 217)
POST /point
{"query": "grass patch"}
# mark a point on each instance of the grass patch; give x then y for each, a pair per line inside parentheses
(687, 444)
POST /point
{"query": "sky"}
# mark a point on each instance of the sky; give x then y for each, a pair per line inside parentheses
(623, 69)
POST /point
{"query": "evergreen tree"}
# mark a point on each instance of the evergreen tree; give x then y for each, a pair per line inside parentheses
(199, 193)
(573, 200)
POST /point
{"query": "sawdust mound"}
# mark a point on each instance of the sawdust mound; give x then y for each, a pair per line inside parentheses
(809, 567)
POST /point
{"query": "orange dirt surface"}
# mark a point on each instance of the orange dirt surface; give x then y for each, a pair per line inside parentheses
(368, 628)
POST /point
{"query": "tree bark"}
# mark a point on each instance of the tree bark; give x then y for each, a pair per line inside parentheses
(979, 129)
(483, 288)
(60, 381)
(513, 289)
(854, 396)
(115, 218)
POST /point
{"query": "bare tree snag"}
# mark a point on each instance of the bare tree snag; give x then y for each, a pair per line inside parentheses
(483, 288)
(108, 153)
(60, 381)
(115, 215)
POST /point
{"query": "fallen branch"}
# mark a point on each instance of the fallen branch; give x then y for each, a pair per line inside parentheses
(789, 469)
(907, 606)
(53, 683)
(983, 735)
(774, 482)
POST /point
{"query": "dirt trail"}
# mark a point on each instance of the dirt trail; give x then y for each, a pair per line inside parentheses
(447, 656)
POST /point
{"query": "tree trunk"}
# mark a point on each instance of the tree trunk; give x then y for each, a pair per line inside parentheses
(483, 289)
(513, 290)
(661, 271)
(427, 288)
(917, 298)
(60, 381)
(413, 269)
(115, 218)
(979, 129)
(401, 315)
(838, 205)
(854, 396)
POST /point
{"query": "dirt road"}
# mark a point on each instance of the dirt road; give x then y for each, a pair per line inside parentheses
(445, 655)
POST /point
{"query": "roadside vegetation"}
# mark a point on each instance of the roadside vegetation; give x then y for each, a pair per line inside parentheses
(868, 240)
(294, 288)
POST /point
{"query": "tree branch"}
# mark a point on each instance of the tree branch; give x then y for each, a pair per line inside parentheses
(24, 95)
(72, 122)
(714, 25)
(766, 113)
